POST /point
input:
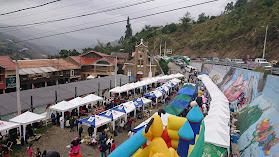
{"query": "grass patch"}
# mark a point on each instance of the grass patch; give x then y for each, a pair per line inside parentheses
(262, 70)
(43, 129)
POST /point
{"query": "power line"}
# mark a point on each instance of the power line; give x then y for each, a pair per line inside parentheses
(82, 29)
(21, 28)
(97, 20)
(29, 8)
(83, 15)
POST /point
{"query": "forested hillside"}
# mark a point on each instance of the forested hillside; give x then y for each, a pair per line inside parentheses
(236, 33)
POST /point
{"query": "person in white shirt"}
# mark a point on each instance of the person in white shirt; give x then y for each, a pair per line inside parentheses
(130, 134)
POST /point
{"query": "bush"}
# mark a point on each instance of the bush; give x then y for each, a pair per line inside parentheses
(164, 66)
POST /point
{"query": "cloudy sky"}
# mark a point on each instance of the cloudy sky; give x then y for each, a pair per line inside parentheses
(69, 8)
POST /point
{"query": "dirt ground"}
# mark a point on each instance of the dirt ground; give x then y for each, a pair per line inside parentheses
(57, 139)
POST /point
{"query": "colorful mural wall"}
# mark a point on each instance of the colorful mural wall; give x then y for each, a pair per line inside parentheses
(258, 115)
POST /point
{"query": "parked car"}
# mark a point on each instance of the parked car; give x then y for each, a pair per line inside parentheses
(260, 60)
(237, 61)
(215, 59)
(205, 60)
(227, 60)
(249, 61)
(266, 65)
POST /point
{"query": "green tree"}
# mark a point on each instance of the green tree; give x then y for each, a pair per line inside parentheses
(240, 3)
(229, 7)
(164, 66)
(128, 32)
(169, 28)
(185, 20)
(202, 18)
(85, 50)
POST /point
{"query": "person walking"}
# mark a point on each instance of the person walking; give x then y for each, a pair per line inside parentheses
(38, 153)
(6, 152)
(29, 150)
(18, 143)
(80, 130)
(103, 148)
(72, 123)
(90, 131)
(109, 141)
(112, 146)
(53, 118)
(129, 123)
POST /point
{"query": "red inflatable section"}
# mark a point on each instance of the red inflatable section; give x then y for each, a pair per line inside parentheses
(166, 138)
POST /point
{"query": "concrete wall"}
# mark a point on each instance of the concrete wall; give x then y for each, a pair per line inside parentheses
(197, 65)
(258, 118)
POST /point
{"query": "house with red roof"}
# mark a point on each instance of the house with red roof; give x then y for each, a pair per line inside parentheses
(7, 74)
(94, 63)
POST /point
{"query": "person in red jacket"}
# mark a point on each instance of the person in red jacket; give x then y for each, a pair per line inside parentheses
(112, 146)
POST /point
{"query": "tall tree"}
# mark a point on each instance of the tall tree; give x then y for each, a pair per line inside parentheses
(128, 32)
(229, 7)
(185, 20)
(202, 18)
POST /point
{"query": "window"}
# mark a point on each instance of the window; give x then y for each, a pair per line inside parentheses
(1, 79)
(140, 57)
(129, 73)
(72, 73)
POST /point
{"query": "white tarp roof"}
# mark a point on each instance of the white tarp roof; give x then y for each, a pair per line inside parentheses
(129, 106)
(145, 100)
(217, 130)
(93, 98)
(78, 101)
(40, 70)
(62, 106)
(27, 118)
(4, 125)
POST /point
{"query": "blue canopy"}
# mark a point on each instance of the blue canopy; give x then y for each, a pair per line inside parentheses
(180, 103)
(186, 91)
(203, 73)
(88, 122)
(119, 108)
(162, 90)
(133, 77)
(107, 114)
(138, 102)
(152, 95)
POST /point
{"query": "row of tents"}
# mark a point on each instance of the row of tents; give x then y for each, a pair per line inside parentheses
(122, 110)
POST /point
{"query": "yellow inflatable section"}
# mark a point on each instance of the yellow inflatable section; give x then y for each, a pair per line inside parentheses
(174, 124)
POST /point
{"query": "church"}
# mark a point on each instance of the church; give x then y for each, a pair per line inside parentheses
(142, 65)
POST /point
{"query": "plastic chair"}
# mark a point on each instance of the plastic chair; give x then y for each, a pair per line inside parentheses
(9, 145)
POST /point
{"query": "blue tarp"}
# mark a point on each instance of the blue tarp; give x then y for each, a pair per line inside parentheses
(133, 77)
(119, 108)
(186, 91)
(180, 103)
(85, 120)
(152, 95)
(203, 73)
(161, 89)
(138, 102)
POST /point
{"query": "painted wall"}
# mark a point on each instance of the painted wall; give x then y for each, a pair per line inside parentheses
(258, 117)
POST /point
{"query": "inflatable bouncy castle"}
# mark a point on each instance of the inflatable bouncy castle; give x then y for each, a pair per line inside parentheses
(179, 137)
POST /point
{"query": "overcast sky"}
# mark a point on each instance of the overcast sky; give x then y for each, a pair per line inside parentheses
(68, 8)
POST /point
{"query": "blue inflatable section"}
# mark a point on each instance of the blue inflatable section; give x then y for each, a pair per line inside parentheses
(187, 91)
(130, 146)
(180, 103)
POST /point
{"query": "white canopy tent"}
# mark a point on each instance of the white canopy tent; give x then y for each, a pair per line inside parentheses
(27, 118)
(96, 121)
(113, 114)
(5, 126)
(217, 130)
(93, 98)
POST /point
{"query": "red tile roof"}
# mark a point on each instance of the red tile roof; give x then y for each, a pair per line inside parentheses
(7, 62)
(84, 61)
(108, 60)
(98, 53)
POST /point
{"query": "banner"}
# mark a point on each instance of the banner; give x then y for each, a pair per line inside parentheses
(210, 150)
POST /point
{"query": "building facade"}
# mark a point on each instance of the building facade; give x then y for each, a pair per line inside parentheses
(141, 65)
(9, 74)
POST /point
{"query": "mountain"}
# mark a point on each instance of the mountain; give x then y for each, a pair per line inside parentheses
(9, 47)
(237, 33)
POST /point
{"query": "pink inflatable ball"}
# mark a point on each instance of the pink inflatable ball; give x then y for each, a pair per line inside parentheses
(193, 103)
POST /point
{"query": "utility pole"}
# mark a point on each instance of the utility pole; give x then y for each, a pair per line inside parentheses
(165, 47)
(115, 72)
(160, 46)
(18, 90)
(265, 40)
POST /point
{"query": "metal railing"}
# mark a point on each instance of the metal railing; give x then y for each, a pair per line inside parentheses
(273, 70)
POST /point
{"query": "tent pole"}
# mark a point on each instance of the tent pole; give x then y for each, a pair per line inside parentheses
(62, 120)
(157, 103)
(95, 132)
(135, 113)
(24, 130)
